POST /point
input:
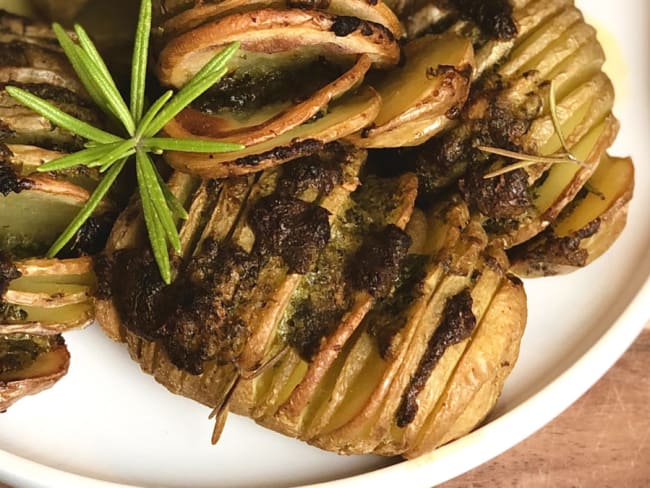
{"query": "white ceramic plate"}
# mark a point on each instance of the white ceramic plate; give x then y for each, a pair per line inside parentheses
(107, 421)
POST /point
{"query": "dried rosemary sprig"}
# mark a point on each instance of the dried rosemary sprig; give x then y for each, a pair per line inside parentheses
(110, 152)
(526, 160)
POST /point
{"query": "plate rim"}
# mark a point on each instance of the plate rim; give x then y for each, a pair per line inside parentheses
(512, 427)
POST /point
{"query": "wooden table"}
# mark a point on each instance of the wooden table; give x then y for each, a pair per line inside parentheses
(602, 441)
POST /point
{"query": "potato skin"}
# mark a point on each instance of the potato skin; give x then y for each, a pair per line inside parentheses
(47, 369)
(586, 230)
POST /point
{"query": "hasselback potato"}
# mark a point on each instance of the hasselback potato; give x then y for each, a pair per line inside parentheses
(365, 301)
(349, 277)
(41, 297)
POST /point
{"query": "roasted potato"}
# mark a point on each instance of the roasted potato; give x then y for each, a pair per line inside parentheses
(585, 229)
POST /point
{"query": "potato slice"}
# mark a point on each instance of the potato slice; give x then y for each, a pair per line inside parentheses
(48, 321)
(269, 300)
(192, 123)
(25, 160)
(501, 327)
(586, 229)
(81, 269)
(274, 31)
(33, 218)
(189, 15)
(345, 116)
(564, 181)
(51, 283)
(41, 373)
(432, 83)
(22, 75)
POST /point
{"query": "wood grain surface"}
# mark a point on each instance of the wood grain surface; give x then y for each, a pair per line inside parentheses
(602, 441)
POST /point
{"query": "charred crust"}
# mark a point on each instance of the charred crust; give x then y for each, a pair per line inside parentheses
(376, 264)
(239, 92)
(494, 17)
(102, 265)
(13, 54)
(291, 228)
(282, 153)
(309, 4)
(320, 172)
(457, 323)
(8, 272)
(503, 196)
(388, 317)
(89, 239)
(486, 120)
(199, 328)
(439, 163)
(19, 351)
(345, 25)
(137, 291)
(309, 324)
(549, 251)
(10, 182)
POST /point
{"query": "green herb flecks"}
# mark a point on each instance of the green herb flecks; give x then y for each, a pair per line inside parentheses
(110, 152)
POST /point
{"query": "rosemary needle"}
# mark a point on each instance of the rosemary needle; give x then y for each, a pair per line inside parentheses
(110, 152)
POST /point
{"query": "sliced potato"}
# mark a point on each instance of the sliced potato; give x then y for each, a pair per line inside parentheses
(345, 116)
(277, 119)
(433, 81)
(371, 426)
(564, 181)
(25, 160)
(586, 229)
(265, 306)
(51, 283)
(291, 412)
(22, 75)
(35, 217)
(47, 321)
(500, 329)
(300, 33)
(41, 373)
(189, 15)
(79, 268)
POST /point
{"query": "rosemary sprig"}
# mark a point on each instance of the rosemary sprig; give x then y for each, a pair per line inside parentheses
(527, 160)
(110, 152)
